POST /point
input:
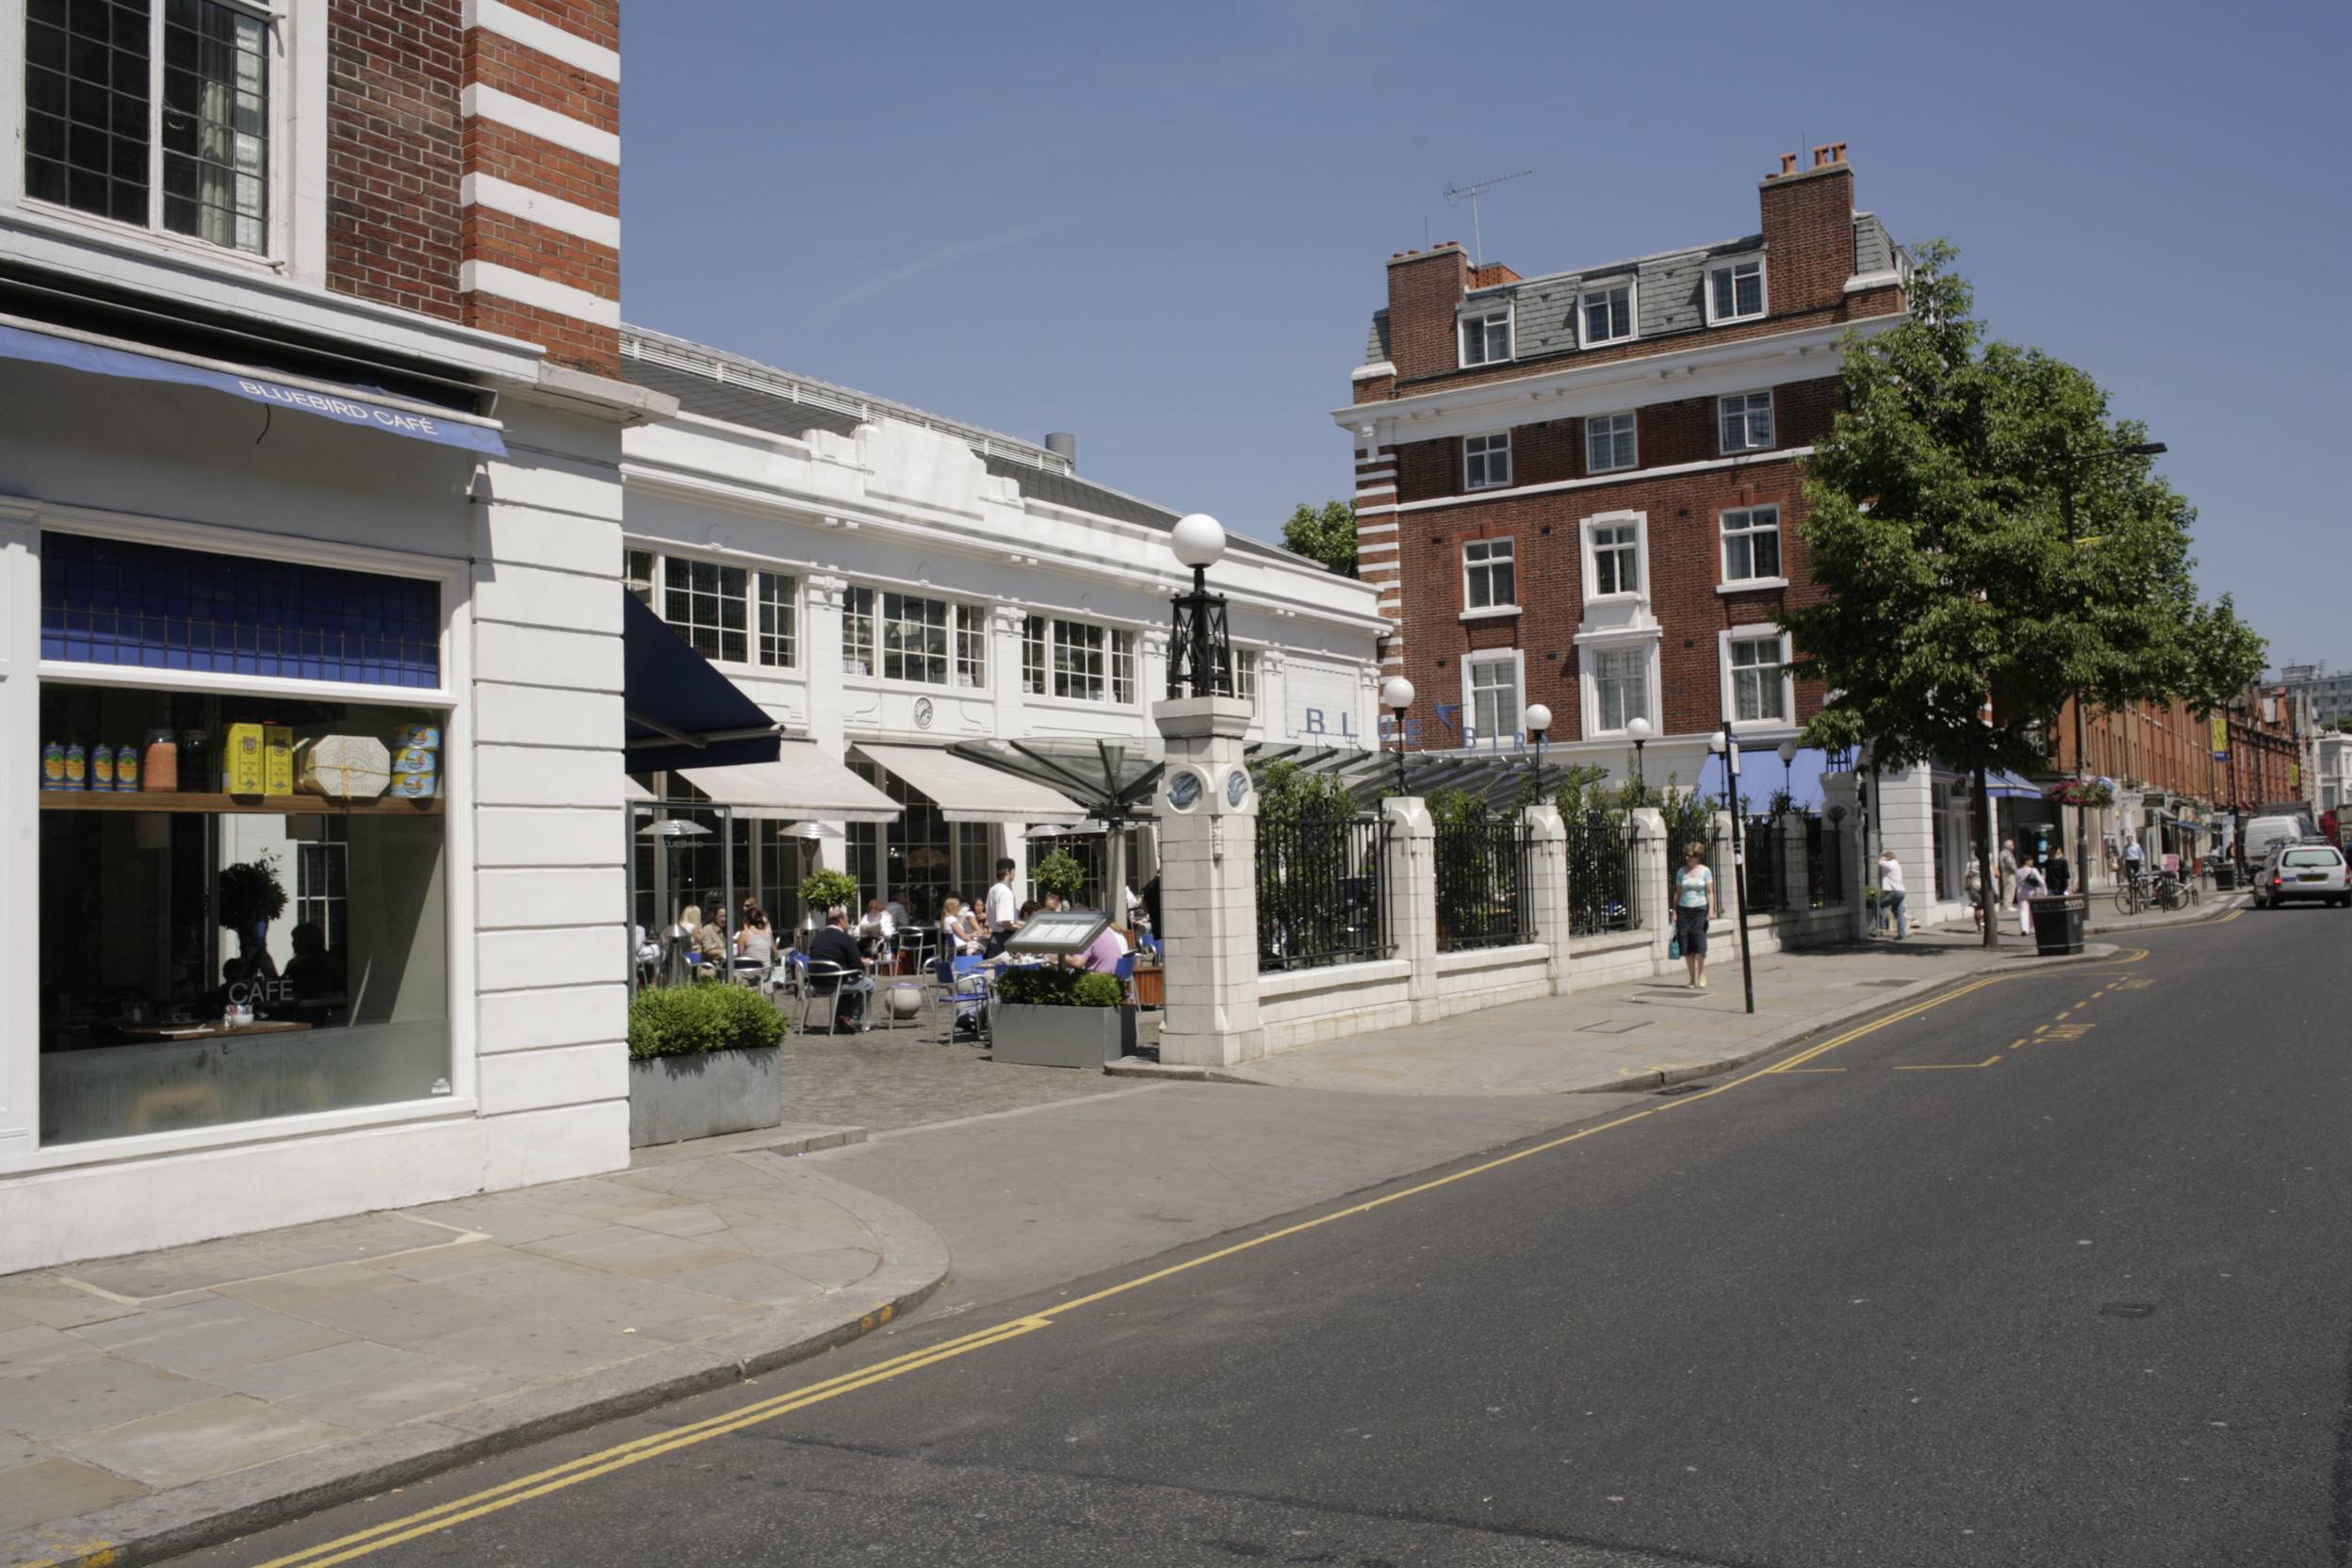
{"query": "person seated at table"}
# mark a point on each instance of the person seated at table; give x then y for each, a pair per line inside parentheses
(1101, 955)
(711, 941)
(1053, 899)
(877, 928)
(833, 944)
(312, 972)
(901, 917)
(959, 933)
(755, 939)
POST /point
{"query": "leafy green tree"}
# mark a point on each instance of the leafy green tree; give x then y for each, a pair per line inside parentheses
(1960, 609)
(1328, 535)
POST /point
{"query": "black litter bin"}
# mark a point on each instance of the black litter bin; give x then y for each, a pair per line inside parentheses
(2058, 923)
(2224, 877)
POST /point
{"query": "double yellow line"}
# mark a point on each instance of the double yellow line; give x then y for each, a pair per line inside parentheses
(588, 1467)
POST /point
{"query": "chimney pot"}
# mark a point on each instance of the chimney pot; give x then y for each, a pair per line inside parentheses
(1836, 152)
(1821, 155)
(1787, 163)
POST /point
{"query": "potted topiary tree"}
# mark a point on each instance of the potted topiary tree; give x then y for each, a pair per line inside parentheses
(247, 896)
(1060, 873)
(823, 889)
(703, 1060)
(1056, 1016)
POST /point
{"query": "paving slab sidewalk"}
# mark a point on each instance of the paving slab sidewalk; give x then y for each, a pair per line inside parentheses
(152, 1402)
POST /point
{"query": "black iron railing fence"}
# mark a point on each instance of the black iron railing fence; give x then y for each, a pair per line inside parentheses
(1759, 840)
(1321, 891)
(1482, 875)
(1601, 884)
(1824, 865)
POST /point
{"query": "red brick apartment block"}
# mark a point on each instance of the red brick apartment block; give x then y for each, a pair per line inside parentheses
(1581, 489)
(475, 166)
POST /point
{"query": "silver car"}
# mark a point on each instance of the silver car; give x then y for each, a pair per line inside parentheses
(2311, 869)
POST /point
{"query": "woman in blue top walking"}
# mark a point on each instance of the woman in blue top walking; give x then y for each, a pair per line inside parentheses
(1694, 906)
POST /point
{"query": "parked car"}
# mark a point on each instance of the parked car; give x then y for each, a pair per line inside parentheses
(2267, 832)
(2310, 870)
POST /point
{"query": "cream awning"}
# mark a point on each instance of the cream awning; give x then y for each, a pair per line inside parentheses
(802, 782)
(967, 791)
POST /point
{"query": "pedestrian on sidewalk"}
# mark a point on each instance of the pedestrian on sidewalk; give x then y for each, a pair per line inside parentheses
(1973, 885)
(2008, 870)
(2029, 887)
(1890, 894)
(1694, 906)
(2057, 872)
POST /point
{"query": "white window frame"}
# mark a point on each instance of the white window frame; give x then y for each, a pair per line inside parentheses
(1595, 424)
(1587, 546)
(1724, 534)
(1064, 660)
(1747, 421)
(295, 179)
(1734, 266)
(1479, 324)
(1759, 631)
(1632, 287)
(662, 564)
(1472, 733)
(1488, 453)
(786, 633)
(1508, 546)
(1589, 656)
(1245, 677)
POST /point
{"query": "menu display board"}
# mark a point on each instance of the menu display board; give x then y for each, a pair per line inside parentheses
(1056, 933)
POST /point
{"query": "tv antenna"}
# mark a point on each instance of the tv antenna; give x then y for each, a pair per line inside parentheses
(1457, 194)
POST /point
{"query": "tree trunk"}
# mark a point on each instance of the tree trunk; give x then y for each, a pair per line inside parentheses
(1981, 822)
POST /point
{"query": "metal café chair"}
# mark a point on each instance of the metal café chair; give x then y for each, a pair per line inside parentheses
(821, 983)
(966, 986)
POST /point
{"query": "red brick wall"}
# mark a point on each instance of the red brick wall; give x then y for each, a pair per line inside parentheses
(1808, 236)
(502, 150)
(544, 80)
(1422, 292)
(393, 153)
(598, 21)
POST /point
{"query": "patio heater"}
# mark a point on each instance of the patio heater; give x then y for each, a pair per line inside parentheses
(1200, 647)
(1726, 747)
(1396, 696)
(1539, 720)
(1638, 730)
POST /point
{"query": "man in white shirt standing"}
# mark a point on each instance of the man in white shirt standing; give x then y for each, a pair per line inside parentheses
(1003, 906)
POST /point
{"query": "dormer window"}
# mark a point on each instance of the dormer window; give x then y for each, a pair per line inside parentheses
(1607, 315)
(1486, 339)
(156, 116)
(1735, 291)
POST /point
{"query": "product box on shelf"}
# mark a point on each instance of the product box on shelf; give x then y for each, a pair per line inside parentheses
(244, 771)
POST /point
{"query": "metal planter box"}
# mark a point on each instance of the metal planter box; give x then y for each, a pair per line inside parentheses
(1031, 1036)
(672, 1099)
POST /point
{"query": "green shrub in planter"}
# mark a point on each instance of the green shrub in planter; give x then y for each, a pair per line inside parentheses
(1059, 986)
(1060, 873)
(822, 889)
(688, 1021)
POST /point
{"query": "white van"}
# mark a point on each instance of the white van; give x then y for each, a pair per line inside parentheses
(2263, 833)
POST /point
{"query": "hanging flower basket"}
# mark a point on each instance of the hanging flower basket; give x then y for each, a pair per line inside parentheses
(2090, 794)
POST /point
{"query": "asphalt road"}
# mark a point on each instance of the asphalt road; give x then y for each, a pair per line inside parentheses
(1932, 1296)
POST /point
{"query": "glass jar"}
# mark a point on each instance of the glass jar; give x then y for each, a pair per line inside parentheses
(159, 762)
(199, 773)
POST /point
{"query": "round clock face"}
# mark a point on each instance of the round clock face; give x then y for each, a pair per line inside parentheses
(1236, 787)
(923, 712)
(1183, 791)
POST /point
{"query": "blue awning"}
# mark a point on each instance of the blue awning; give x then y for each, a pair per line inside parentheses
(1999, 785)
(345, 405)
(683, 712)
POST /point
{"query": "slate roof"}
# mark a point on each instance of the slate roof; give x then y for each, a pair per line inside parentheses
(1668, 293)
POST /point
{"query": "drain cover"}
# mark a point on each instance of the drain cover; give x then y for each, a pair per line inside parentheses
(1680, 1089)
(2128, 1308)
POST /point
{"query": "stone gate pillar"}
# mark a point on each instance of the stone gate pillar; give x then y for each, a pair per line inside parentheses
(1208, 831)
(1409, 881)
(1547, 888)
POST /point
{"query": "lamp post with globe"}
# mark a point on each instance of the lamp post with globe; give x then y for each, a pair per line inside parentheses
(1396, 696)
(1539, 720)
(1723, 745)
(1200, 647)
(1638, 730)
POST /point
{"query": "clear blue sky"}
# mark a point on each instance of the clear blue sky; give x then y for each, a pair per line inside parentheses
(1163, 227)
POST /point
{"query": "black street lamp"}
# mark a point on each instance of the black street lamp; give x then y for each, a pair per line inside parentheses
(1539, 720)
(1788, 775)
(2068, 467)
(1396, 696)
(1726, 747)
(1199, 649)
(1638, 731)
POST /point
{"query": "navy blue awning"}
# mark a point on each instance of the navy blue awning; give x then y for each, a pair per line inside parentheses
(345, 405)
(683, 712)
(2002, 785)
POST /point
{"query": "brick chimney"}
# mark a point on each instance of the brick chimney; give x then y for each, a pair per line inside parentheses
(542, 191)
(1808, 229)
(1425, 290)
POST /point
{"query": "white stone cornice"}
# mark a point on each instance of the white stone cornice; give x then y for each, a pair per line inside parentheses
(1571, 390)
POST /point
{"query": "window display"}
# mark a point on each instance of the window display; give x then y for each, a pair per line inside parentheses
(244, 912)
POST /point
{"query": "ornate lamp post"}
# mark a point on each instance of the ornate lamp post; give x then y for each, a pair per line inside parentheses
(1539, 720)
(1639, 731)
(1788, 770)
(1200, 650)
(1396, 696)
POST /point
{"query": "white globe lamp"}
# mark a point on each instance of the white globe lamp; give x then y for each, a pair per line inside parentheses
(1539, 719)
(1199, 541)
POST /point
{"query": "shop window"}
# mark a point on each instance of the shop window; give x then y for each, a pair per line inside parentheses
(112, 601)
(780, 640)
(904, 637)
(232, 948)
(703, 602)
(1077, 659)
